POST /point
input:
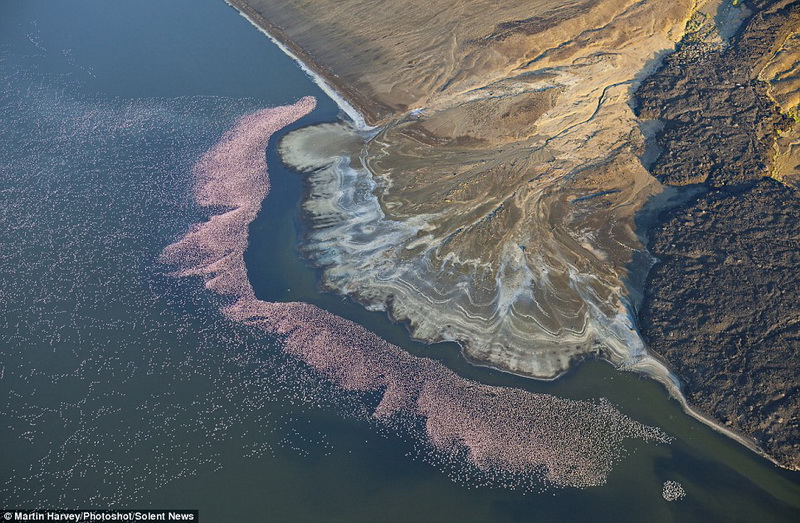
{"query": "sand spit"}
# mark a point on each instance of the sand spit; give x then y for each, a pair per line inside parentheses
(505, 433)
(494, 206)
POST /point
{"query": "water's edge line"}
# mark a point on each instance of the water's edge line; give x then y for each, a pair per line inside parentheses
(670, 383)
(359, 122)
(347, 108)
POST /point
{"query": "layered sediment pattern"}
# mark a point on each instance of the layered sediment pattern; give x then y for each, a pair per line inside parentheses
(494, 204)
(509, 434)
(532, 309)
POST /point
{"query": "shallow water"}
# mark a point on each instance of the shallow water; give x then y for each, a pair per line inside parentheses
(122, 386)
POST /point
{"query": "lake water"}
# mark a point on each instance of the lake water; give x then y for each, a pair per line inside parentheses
(122, 386)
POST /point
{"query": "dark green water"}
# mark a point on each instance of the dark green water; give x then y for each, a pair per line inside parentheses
(123, 387)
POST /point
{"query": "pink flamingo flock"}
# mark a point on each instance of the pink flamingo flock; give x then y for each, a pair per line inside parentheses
(500, 430)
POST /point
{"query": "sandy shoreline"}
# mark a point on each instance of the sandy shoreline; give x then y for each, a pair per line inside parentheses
(357, 107)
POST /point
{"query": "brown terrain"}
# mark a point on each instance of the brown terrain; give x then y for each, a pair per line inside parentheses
(723, 304)
(494, 203)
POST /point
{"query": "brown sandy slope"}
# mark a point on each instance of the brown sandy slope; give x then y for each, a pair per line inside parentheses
(723, 304)
(391, 57)
(782, 74)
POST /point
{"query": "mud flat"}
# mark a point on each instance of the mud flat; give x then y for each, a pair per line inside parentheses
(722, 304)
(494, 203)
(509, 437)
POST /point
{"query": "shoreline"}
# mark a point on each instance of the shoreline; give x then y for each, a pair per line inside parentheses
(671, 385)
(356, 109)
(364, 118)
